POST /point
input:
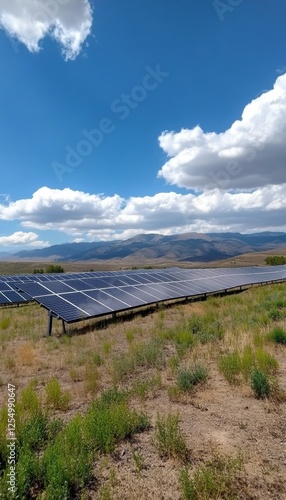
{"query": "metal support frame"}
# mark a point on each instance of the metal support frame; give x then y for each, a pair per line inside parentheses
(51, 315)
(50, 323)
(64, 326)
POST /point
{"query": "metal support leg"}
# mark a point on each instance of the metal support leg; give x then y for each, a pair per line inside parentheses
(50, 324)
(64, 327)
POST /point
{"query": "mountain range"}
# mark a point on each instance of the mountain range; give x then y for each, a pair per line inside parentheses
(187, 247)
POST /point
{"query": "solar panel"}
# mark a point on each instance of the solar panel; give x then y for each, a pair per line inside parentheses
(8, 294)
(76, 296)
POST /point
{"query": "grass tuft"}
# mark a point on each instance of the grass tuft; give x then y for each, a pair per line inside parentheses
(260, 384)
(169, 440)
(56, 398)
(277, 335)
(5, 323)
(187, 379)
(216, 479)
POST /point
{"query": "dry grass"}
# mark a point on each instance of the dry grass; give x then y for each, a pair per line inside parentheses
(140, 355)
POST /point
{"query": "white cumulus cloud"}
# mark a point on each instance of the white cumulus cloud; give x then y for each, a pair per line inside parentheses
(22, 238)
(250, 154)
(29, 21)
(86, 216)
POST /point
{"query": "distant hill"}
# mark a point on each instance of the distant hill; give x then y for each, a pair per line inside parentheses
(187, 247)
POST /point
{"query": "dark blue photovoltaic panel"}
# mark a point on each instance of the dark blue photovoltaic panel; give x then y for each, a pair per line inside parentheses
(4, 286)
(104, 298)
(4, 300)
(129, 298)
(9, 296)
(57, 286)
(33, 289)
(128, 280)
(85, 303)
(154, 293)
(160, 288)
(156, 278)
(96, 283)
(114, 281)
(62, 308)
(141, 278)
(14, 297)
(77, 284)
(141, 294)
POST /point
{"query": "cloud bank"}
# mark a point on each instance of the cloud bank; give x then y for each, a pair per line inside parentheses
(68, 22)
(91, 217)
(250, 154)
(22, 238)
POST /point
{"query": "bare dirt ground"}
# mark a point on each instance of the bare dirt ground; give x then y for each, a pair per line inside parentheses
(215, 418)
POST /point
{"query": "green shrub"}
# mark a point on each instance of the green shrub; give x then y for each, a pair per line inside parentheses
(173, 363)
(109, 420)
(31, 421)
(183, 339)
(91, 378)
(67, 462)
(54, 268)
(275, 314)
(96, 359)
(233, 365)
(55, 460)
(148, 354)
(275, 260)
(206, 328)
(56, 398)
(278, 335)
(229, 365)
(187, 485)
(169, 440)
(28, 472)
(142, 388)
(260, 384)
(247, 362)
(138, 460)
(265, 362)
(5, 323)
(106, 347)
(188, 378)
(216, 479)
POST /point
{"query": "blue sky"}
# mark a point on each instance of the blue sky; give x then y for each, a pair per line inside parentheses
(121, 118)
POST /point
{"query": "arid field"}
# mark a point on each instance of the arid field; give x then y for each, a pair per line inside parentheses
(183, 402)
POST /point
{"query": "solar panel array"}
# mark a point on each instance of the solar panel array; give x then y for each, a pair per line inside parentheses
(73, 297)
(8, 291)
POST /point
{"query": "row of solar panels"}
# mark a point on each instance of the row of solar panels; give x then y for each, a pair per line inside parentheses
(8, 290)
(79, 296)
